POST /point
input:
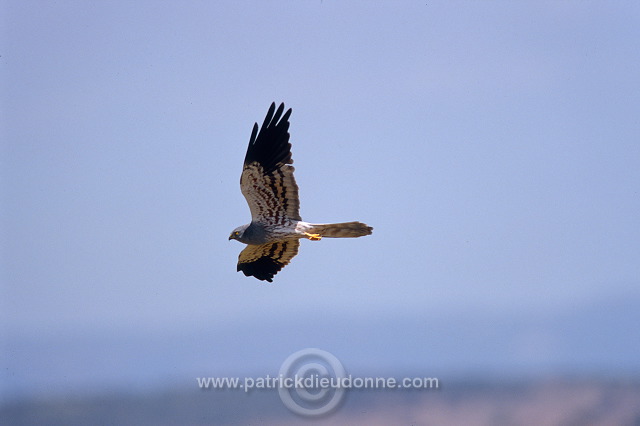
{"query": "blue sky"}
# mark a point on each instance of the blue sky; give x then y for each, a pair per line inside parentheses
(493, 146)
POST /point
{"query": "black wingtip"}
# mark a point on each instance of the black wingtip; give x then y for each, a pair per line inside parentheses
(269, 145)
(269, 117)
(254, 133)
(263, 269)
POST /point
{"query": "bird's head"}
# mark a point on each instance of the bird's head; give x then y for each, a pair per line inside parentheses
(237, 233)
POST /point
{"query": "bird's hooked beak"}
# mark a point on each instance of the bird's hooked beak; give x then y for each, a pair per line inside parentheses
(230, 237)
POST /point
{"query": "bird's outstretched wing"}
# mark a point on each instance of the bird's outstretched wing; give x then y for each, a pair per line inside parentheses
(267, 177)
(264, 261)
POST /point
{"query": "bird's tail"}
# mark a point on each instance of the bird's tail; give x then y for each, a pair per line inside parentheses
(340, 230)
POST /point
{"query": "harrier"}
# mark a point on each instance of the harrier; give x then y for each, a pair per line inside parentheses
(267, 182)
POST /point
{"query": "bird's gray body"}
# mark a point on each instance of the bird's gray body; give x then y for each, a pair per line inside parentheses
(256, 233)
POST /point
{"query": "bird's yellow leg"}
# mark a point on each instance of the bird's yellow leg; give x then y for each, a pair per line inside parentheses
(313, 237)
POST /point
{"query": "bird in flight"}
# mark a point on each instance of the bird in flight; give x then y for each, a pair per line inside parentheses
(267, 182)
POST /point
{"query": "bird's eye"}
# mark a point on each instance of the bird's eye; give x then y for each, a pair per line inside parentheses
(236, 233)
